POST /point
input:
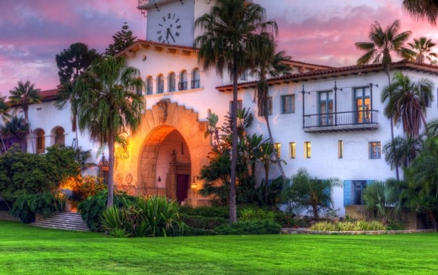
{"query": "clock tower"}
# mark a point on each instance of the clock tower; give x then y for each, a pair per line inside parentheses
(173, 21)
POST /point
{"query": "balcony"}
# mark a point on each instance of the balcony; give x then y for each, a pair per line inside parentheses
(196, 84)
(341, 122)
(182, 85)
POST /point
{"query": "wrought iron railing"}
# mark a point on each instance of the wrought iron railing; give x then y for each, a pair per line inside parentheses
(196, 84)
(341, 119)
(182, 85)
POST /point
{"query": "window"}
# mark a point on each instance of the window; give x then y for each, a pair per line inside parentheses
(325, 108)
(182, 85)
(362, 105)
(149, 85)
(196, 81)
(269, 110)
(307, 149)
(374, 150)
(160, 84)
(288, 104)
(425, 97)
(172, 82)
(358, 187)
(239, 105)
(340, 149)
(59, 136)
(293, 151)
(277, 147)
(244, 76)
(40, 141)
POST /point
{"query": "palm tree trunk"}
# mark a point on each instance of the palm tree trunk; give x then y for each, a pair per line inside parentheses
(110, 202)
(232, 202)
(26, 116)
(280, 167)
(266, 182)
(392, 125)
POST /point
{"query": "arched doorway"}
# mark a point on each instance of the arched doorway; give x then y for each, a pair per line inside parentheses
(168, 148)
(165, 164)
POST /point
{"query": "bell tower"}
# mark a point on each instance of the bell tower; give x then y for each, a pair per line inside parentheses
(173, 21)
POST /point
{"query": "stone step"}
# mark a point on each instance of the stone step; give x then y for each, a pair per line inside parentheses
(66, 220)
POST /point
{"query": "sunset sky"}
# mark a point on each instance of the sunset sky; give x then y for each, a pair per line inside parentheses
(313, 31)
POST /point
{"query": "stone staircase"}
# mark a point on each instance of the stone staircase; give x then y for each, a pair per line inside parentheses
(65, 220)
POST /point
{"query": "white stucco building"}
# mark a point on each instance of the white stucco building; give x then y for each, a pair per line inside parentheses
(327, 120)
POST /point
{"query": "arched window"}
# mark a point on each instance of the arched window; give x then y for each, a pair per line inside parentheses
(182, 85)
(40, 141)
(196, 80)
(149, 85)
(59, 136)
(160, 84)
(171, 82)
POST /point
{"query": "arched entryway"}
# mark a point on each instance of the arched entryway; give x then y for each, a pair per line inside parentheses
(165, 164)
(165, 154)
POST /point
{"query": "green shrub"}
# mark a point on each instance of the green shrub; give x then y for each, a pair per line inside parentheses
(349, 226)
(249, 228)
(284, 220)
(253, 214)
(86, 187)
(92, 208)
(205, 211)
(201, 222)
(26, 206)
(155, 216)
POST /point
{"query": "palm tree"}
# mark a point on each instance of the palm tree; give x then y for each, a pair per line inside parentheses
(24, 95)
(14, 131)
(4, 109)
(406, 102)
(422, 9)
(109, 105)
(402, 150)
(273, 64)
(379, 49)
(227, 43)
(423, 49)
(422, 178)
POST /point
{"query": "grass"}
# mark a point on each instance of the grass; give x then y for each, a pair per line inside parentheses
(29, 250)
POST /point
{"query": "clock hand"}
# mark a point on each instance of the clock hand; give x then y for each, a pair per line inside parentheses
(171, 35)
(167, 35)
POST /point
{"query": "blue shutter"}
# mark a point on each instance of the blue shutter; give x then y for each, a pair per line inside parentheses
(347, 192)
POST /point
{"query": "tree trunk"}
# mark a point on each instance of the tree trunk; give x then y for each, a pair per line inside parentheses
(110, 202)
(266, 182)
(232, 202)
(392, 125)
(277, 159)
(315, 211)
(26, 117)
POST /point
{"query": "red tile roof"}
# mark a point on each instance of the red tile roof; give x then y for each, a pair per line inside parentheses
(337, 72)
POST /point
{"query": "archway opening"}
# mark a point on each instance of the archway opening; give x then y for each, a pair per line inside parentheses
(166, 164)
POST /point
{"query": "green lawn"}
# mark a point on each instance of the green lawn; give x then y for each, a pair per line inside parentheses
(28, 250)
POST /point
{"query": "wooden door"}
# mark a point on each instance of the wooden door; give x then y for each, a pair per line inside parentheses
(182, 185)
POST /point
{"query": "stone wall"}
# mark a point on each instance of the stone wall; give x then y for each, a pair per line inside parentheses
(4, 216)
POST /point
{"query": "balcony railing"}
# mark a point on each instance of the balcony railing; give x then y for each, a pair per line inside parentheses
(195, 84)
(182, 85)
(341, 121)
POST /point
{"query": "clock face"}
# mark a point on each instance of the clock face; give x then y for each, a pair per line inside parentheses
(169, 29)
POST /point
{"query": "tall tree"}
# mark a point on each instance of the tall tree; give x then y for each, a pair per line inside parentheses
(378, 50)
(23, 95)
(406, 102)
(269, 63)
(110, 105)
(72, 62)
(4, 114)
(402, 150)
(122, 39)
(423, 50)
(422, 177)
(227, 43)
(422, 9)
